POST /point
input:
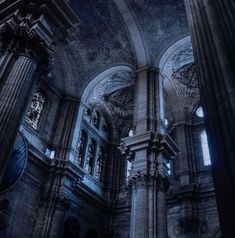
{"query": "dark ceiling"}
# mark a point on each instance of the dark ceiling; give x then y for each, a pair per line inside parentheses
(102, 39)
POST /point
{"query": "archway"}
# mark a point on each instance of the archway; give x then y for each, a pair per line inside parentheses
(92, 234)
(71, 228)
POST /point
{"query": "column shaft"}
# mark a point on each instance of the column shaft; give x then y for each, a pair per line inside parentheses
(212, 29)
(13, 101)
(5, 60)
(139, 214)
(65, 127)
(148, 211)
(161, 214)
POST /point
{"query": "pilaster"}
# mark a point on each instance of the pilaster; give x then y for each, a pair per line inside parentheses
(149, 182)
(54, 200)
(150, 150)
(65, 127)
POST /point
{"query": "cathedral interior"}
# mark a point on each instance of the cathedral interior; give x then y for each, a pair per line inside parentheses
(117, 118)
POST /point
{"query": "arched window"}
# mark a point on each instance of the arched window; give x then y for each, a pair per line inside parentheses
(93, 149)
(199, 112)
(205, 149)
(82, 148)
(35, 110)
(90, 160)
(71, 228)
(128, 169)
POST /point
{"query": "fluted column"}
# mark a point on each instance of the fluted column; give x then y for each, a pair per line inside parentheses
(212, 24)
(151, 149)
(162, 187)
(139, 205)
(4, 63)
(19, 61)
(13, 100)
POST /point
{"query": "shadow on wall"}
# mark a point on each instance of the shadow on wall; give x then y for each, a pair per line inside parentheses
(71, 228)
(92, 234)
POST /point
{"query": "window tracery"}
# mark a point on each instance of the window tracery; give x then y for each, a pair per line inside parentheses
(92, 145)
(35, 110)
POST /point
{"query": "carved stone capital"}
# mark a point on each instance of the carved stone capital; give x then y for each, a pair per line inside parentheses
(148, 181)
(29, 28)
(126, 151)
(139, 181)
(17, 40)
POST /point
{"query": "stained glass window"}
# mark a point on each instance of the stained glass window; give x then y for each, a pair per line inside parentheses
(35, 110)
(82, 148)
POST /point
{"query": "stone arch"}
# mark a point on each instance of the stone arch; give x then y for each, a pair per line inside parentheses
(176, 56)
(142, 57)
(86, 95)
(104, 74)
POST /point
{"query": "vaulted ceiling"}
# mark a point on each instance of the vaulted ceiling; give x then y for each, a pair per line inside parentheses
(115, 32)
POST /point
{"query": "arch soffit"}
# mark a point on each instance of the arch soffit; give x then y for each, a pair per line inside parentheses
(101, 76)
(142, 58)
(88, 97)
(176, 56)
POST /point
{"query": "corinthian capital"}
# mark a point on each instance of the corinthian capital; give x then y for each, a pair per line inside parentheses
(29, 28)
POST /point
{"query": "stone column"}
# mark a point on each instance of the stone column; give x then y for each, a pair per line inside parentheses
(27, 38)
(22, 55)
(152, 149)
(139, 205)
(212, 26)
(4, 63)
(162, 187)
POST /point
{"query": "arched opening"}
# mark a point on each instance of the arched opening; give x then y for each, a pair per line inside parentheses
(205, 149)
(34, 112)
(71, 228)
(92, 234)
(105, 116)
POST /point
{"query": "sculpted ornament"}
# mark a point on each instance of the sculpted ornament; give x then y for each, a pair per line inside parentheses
(138, 181)
(20, 42)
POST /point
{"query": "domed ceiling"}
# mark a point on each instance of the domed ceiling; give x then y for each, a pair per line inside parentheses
(102, 39)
